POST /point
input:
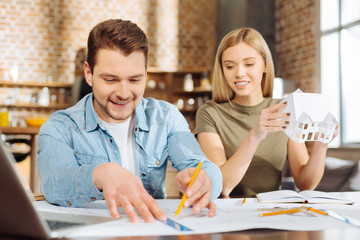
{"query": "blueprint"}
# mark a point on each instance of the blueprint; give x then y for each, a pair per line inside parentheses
(231, 215)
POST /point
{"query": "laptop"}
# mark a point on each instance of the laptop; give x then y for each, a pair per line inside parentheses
(19, 218)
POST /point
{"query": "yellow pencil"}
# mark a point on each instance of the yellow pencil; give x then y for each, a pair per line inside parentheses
(191, 181)
(280, 212)
(317, 211)
(243, 202)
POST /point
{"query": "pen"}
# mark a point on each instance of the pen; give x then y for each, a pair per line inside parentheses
(191, 181)
(342, 218)
(243, 202)
(280, 212)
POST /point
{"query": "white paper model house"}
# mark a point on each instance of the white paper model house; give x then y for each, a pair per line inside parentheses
(312, 117)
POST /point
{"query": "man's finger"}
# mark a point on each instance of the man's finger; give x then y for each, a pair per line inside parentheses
(202, 202)
(197, 185)
(143, 210)
(195, 197)
(113, 207)
(155, 208)
(129, 210)
(212, 209)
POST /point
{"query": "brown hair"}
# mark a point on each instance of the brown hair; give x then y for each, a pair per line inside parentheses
(116, 34)
(221, 91)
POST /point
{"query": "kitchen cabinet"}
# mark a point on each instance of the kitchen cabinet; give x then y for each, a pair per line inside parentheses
(171, 87)
(33, 99)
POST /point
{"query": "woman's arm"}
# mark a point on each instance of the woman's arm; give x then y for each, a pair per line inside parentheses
(306, 170)
(234, 168)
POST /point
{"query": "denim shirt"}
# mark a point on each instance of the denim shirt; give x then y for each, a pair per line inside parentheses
(72, 143)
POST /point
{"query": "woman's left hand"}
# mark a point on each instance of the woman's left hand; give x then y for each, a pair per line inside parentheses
(336, 132)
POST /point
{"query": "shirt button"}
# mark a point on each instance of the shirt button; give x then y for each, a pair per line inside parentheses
(111, 140)
(157, 162)
(93, 198)
(143, 174)
(69, 203)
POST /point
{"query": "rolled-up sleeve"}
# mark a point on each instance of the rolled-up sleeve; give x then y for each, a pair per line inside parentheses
(185, 151)
(63, 180)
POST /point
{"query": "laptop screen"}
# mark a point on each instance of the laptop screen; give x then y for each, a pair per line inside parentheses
(18, 216)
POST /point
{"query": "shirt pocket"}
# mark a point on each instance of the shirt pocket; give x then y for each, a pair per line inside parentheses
(157, 159)
(84, 158)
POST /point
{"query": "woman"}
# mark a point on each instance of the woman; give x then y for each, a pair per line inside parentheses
(241, 130)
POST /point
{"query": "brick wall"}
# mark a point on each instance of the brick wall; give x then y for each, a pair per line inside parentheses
(296, 42)
(47, 37)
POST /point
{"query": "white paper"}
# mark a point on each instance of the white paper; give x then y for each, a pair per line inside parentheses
(231, 215)
(312, 117)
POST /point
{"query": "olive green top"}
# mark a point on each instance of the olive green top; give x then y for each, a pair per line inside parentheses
(233, 122)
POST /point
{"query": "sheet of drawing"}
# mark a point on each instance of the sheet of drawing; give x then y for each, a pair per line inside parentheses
(97, 208)
(231, 215)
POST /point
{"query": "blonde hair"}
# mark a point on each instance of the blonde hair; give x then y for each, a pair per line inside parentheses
(221, 91)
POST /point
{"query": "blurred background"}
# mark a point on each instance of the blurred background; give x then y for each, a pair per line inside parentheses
(315, 45)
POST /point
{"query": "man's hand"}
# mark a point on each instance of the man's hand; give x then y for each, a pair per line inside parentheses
(123, 189)
(199, 193)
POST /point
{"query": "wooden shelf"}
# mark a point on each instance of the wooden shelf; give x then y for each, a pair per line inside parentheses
(36, 84)
(179, 71)
(196, 91)
(35, 106)
(55, 89)
(174, 82)
(20, 130)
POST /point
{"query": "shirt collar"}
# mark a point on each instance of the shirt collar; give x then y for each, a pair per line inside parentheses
(141, 116)
(91, 121)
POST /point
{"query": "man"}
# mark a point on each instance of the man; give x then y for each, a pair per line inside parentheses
(115, 144)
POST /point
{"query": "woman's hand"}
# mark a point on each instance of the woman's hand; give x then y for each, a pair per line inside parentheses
(271, 120)
(336, 132)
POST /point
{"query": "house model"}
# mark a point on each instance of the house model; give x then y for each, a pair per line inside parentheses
(312, 117)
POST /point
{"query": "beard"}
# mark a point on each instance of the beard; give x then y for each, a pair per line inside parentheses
(119, 115)
(110, 113)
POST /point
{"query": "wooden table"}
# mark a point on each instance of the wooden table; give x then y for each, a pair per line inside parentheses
(33, 133)
(259, 234)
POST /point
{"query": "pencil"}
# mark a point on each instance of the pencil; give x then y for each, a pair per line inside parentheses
(191, 181)
(243, 202)
(280, 212)
(317, 211)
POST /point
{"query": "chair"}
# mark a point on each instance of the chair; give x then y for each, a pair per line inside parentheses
(20, 156)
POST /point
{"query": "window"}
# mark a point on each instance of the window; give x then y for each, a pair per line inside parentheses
(340, 63)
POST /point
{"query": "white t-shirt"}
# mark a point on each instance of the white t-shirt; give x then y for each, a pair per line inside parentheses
(123, 134)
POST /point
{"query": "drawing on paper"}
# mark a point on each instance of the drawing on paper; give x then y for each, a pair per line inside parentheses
(312, 117)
